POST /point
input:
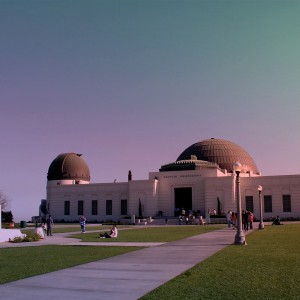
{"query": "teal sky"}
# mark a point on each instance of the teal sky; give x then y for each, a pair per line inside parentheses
(131, 84)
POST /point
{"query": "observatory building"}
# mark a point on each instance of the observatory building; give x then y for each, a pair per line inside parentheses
(200, 179)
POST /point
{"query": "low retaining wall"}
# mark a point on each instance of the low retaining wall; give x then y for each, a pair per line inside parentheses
(218, 221)
(6, 234)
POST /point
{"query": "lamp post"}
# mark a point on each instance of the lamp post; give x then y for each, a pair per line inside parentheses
(261, 223)
(239, 237)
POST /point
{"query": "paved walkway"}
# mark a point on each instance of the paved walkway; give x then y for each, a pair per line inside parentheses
(124, 277)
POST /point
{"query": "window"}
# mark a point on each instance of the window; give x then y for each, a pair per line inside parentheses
(123, 207)
(249, 203)
(108, 207)
(286, 202)
(268, 203)
(94, 207)
(80, 207)
(67, 208)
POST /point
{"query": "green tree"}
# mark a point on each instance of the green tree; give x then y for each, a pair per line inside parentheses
(7, 216)
(4, 200)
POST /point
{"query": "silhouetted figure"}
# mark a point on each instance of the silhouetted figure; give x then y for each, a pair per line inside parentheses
(49, 222)
(276, 221)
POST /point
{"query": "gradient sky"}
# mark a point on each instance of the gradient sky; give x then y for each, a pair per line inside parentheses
(131, 84)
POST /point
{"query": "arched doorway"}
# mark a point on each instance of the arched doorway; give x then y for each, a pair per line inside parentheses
(183, 200)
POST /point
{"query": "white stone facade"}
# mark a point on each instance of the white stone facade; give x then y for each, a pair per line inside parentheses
(203, 188)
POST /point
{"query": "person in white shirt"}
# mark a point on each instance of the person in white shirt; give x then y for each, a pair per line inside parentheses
(228, 218)
(113, 233)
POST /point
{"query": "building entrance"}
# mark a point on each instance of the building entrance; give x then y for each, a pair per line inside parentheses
(183, 200)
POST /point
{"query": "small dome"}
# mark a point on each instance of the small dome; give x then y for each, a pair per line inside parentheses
(224, 153)
(69, 166)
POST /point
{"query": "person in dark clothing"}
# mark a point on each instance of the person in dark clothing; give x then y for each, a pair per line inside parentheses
(276, 221)
(49, 222)
(245, 220)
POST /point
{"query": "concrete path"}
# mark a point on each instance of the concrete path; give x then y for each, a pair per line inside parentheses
(124, 277)
(64, 239)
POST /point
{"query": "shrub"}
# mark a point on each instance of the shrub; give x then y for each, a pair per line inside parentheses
(29, 237)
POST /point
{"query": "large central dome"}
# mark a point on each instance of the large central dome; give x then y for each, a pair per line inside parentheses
(224, 153)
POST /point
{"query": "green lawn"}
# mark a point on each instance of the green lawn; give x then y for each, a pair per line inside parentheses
(151, 234)
(72, 228)
(21, 262)
(267, 268)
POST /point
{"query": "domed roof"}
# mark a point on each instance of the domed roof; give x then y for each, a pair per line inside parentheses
(69, 166)
(224, 153)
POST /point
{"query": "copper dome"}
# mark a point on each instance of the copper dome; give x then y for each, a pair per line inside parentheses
(69, 166)
(224, 153)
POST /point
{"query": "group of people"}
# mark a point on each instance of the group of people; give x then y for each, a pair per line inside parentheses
(231, 217)
(46, 226)
(247, 219)
(112, 234)
(189, 217)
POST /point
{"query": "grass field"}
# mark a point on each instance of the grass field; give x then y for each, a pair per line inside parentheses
(22, 262)
(267, 268)
(150, 234)
(74, 228)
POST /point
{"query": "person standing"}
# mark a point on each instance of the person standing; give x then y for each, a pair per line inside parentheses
(49, 222)
(233, 219)
(228, 218)
(251, 219)
(245, 218)
(82, 221)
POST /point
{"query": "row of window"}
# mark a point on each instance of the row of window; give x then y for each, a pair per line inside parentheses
(268, 208)
(94, 207)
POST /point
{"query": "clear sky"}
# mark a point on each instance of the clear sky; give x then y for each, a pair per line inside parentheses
(131, 84)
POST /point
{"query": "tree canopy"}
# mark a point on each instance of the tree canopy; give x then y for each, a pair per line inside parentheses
(4, 200)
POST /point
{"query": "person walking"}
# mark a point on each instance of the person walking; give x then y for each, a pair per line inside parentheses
(49, 223)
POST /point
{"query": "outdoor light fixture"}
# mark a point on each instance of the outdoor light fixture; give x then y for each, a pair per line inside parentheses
(155, 182)
(239, 237)
(261, 223)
